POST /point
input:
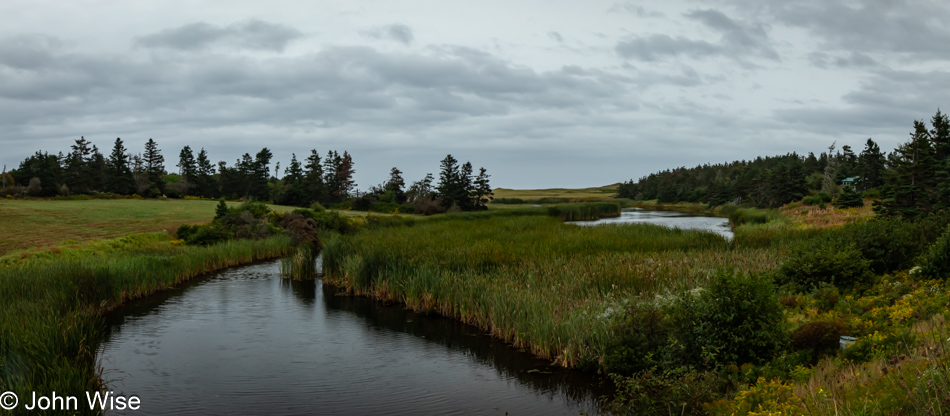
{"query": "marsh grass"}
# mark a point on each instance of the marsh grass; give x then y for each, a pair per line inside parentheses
(50, 320)
(301, 265)
(533, 281)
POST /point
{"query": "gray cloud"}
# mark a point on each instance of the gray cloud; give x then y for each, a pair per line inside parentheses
(631, 7)
(252, 35)
(396, 32)
(841, 60)
(738, 41)
(556, 36)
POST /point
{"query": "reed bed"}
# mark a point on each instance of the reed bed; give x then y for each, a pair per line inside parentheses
(50, 320)
(542, 285)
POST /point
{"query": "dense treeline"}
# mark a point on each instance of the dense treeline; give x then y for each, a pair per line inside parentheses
(912, 180)
(327, 181)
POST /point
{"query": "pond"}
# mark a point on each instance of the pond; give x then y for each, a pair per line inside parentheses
(246, 341)
(670, 219)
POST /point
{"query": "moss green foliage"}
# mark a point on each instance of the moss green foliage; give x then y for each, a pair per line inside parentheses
(49, 322)
(825, 261)
(735, 319)
(849, 198)
(935, 264)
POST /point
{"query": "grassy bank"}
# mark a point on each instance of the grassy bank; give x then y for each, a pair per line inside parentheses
(49, 323)
(540, 284)
(27, 224)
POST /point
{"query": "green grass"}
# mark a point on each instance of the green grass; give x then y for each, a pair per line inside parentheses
(49, 322)
(533, 281)
(28, 224)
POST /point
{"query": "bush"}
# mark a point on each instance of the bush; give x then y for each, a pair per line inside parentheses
(642, 335)
(736, 319)
(936, 263)
(849, 198)
(657, 393)
(825, 260)
(820, 337)
(317, 207)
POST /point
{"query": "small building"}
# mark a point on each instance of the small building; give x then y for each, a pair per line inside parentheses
(852, 181)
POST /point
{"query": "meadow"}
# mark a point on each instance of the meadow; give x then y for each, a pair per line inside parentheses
(533, 281)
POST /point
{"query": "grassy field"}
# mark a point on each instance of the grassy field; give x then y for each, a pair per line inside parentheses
(586, 194)
(533, 281)
(35, 223)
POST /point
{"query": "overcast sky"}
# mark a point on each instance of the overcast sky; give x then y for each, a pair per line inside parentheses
(541, 93)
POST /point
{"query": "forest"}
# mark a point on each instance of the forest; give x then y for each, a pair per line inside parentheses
(327, 181)
(912, 180)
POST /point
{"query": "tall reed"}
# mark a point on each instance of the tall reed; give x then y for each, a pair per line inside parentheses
(50, 320)
(533, 281)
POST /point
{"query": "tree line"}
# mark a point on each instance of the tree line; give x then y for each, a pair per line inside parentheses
(326, 180)
(912, 180)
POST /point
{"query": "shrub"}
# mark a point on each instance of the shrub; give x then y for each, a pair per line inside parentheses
(936, 263)
(826, 296)
(849, 198)
(736, 319)
(642, 335)
(317, 207)
(657, 393)
(825, 260)
(819, 337)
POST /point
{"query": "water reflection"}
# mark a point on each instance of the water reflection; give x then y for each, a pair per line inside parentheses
(247, 342)
(671, 219)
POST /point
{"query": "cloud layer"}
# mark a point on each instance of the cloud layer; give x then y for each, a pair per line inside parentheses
(572, 97)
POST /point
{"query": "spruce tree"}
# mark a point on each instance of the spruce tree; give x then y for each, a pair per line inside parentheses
(187, 169)
(450, 181)
(483, 191)
(154, 164)
(870, 166)
(909, 182)
(313, 179)
(120, 179)
(204, 180)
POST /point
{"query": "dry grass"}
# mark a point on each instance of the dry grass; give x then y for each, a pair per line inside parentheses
(595, 193)
(813, 217)
(36, 223)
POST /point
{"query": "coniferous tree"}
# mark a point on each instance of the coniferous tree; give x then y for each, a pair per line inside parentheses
(331, 167)
(450, 183)
(204, 180)
(120, 180)
(259, 174)
(420, 190)
(344, 175)
(187, 170)
(79, 164)
(909, 182)
(395, 185)
(46, 168)
(313, 186)
(293, 189)
(870, 166)
(483, 191)
(154, 164)
(940, 135)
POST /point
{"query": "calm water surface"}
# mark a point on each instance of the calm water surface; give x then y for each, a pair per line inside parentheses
(670, 219)
(246, 341)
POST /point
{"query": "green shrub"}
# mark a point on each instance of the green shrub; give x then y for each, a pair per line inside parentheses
(674, 392)
(849, 198)
(825, 260)
(935, 264)
(507, 201)
(821, 337)
(736, 319)
(826, 296)
(642, 335)
(317, 207)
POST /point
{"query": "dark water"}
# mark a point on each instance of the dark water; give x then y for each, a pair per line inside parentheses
(670, 219)
(246, 341)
